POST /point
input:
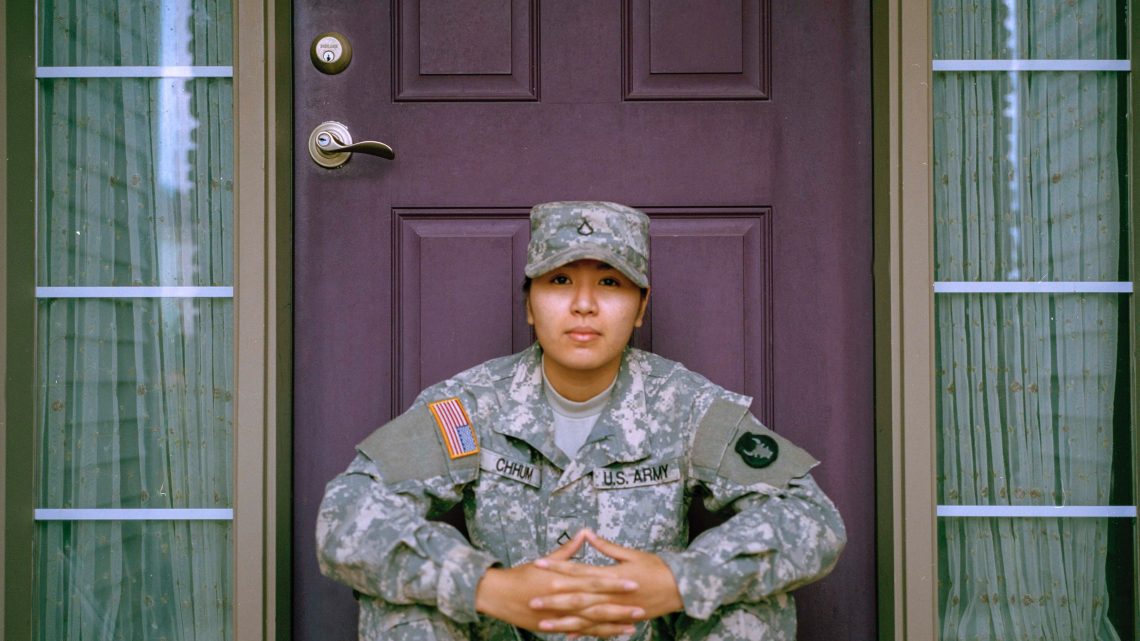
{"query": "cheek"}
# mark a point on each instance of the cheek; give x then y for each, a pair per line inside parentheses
(626, 312)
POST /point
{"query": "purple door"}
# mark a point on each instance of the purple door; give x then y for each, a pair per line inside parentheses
(741, 127)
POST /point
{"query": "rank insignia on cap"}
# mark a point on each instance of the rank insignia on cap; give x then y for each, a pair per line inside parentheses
(455, 427)
(585, 228)
(757, 450)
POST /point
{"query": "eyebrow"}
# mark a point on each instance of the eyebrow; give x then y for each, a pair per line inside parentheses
(605, 266)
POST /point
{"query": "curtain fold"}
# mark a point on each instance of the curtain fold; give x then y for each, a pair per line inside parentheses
(1027, 188)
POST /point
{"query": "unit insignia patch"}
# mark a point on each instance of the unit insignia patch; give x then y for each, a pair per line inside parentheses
(757, 450)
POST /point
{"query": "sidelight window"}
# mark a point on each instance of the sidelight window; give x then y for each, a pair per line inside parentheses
(135, 320)
(1036, 515)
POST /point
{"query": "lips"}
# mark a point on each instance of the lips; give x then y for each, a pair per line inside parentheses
(583, 333)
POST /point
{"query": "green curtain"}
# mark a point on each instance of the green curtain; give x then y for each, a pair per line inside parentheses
(136, 181)
(1027, 174)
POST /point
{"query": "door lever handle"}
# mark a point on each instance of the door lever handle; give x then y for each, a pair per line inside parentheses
(330, 145)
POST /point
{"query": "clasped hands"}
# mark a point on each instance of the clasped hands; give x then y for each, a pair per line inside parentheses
(555, 594)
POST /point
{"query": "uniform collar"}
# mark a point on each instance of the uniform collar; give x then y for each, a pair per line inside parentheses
(525, 414)
(619, 436)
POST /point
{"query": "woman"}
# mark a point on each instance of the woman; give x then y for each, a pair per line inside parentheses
(575, 461)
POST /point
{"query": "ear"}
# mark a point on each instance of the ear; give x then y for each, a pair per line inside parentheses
(529, 312)
(641, 310)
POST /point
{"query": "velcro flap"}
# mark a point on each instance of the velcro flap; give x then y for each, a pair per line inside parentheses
(410, 447)
(731, 444)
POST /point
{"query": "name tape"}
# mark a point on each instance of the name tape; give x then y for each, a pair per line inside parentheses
(498, 464)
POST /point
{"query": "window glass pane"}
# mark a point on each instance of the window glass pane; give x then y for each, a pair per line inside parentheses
(134, 580)
(1027, 176)
(137, 403)
(135, 32)
(1036, 579)
(1028, 29)
(136, 182)
(1031, 390)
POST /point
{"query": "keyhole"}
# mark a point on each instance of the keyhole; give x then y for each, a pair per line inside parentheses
(328, 56)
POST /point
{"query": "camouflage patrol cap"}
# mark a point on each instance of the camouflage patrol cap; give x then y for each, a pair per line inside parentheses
(566, 231)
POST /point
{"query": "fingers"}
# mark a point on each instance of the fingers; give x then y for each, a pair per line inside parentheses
(612, 550)
(577, 625)
(579, 577)
(569, 548)
(569, 568)
(587, 604)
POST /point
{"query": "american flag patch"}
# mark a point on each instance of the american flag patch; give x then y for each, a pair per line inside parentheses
(455, 426)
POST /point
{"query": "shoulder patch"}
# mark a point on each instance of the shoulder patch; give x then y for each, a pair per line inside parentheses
(455, 427)
(731, 444)
(411, 447)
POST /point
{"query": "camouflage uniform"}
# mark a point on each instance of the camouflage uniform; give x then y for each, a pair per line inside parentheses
(485, 438)
(665, 433)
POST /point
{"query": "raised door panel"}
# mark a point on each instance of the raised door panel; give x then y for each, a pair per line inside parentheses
(708, 50)
(711, 305)
(459, 300)
(459, 50)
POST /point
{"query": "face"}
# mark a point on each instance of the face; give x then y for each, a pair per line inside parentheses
(583, 314)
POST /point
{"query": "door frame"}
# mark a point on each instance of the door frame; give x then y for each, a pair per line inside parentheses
(263, 367)
(263, 65)
(904, 318)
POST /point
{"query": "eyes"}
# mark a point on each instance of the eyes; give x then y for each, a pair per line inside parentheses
(604, 281)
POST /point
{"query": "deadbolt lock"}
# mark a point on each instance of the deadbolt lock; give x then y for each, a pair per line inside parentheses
(331, 52)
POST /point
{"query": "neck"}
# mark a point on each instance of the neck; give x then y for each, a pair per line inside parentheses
(580, 385)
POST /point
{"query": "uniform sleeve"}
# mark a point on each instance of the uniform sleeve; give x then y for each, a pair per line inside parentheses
(785, 532)
(372, 528)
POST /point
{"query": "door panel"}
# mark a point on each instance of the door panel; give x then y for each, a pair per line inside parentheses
(460, 300)
(697, 50)
(466, 49)
(741, 127)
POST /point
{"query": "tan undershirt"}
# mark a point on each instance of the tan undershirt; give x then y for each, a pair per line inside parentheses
(573, 420)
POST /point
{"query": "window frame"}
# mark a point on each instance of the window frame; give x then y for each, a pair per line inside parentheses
(904, 277)
(904, 338)
(262, 288)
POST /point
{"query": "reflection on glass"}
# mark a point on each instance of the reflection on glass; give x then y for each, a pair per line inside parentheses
(1031, 389)
(1026, 398)
(137, 180)
(1035, 579)
(1027, 176)
(1028, 30)
(134, 580)
(135, 32)
(137, 403)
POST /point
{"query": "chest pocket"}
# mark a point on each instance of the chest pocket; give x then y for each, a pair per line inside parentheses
(506, 496)
(642, 504)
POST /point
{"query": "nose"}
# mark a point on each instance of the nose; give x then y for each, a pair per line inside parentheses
(584, 302)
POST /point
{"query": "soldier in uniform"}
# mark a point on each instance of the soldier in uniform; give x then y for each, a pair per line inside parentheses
(575, 461)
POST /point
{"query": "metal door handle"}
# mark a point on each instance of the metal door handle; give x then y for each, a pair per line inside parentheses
(330, 145)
